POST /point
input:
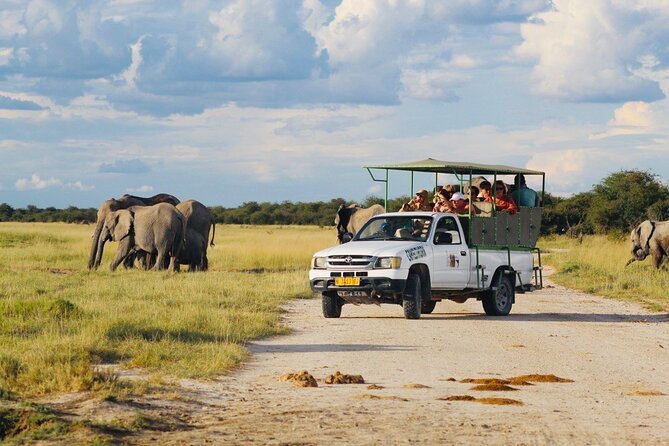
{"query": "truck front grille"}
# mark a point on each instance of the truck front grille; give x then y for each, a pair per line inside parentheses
(350, 261)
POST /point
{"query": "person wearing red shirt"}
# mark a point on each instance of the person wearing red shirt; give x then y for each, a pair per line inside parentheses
(503, 201)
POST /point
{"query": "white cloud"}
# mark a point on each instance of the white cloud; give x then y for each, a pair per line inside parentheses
(36, 183)
(593, 50)
(143, 188)
(78, 185)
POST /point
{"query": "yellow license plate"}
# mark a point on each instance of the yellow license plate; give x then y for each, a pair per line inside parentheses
(347, 281)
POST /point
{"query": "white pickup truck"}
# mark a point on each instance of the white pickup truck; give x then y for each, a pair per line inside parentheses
(416, 259)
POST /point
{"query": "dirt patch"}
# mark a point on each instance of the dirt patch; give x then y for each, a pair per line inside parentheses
(415, 386)
(369, 396)
(301, 379)
(374, 387)
(542, 378)
(495, 401)
(646, 393)
(456, 398)
(494, 388)
(485, 381)
(449, 379)
(500, 401)
(341, 378)
(519, 382)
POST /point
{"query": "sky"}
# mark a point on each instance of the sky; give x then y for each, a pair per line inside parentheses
(232, 101)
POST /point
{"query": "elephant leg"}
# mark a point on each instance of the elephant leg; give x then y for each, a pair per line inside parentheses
(657, 259)
(118, 259)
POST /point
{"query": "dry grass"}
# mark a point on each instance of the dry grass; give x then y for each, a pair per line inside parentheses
(597, 265)
(58, 320)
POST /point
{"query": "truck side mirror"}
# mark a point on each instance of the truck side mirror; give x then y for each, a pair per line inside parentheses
(443, 238)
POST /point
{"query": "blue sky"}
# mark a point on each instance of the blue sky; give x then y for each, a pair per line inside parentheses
(275, 100)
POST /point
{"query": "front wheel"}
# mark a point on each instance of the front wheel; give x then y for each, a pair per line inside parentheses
(411, 300)
(331, 304)
(498, 301)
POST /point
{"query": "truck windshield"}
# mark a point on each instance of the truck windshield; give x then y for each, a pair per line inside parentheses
(395, 228)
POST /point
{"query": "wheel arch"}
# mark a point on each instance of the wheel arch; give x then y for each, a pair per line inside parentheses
(424, 272)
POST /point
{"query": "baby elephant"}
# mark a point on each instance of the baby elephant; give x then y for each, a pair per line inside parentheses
(157, 229)
(650, 238)
(193, 252)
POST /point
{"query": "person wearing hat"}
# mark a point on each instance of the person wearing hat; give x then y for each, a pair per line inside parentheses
(419, 203)
(460, 204)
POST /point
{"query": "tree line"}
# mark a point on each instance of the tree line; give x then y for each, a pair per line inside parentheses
(615, 205)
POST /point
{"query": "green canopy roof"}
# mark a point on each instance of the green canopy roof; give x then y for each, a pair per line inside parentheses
(432, 165)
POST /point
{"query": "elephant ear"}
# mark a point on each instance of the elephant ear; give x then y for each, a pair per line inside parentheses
(122, 225)
(645, 231)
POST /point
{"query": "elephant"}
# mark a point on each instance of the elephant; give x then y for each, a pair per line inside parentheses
(350, 219)
(159, 229)
(192, 253)
(111, 205)
(198, 219)
(650, 238)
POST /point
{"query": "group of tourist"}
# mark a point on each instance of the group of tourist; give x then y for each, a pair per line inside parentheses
(450, 199)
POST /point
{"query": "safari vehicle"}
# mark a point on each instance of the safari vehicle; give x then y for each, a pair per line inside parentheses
(416, 259)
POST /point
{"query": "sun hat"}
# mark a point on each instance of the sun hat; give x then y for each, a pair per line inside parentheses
(457, 196)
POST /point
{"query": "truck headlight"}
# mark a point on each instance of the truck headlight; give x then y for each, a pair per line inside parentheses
(318, 262)
(388, 262)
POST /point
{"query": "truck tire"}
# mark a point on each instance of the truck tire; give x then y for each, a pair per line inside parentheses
(411, 300)
(427, 307)
(331, 304)
(498, 301)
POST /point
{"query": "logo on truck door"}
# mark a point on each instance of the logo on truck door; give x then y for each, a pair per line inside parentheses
(415, 253)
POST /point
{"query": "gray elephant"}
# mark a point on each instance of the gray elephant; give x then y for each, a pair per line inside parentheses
(111, 205)
(192, 253)
(350, 219)
(199, 219)
(650, 238)
(158, 229)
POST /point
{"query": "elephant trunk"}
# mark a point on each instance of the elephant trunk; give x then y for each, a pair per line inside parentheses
(102, 238)
(632, 260)
(93, 263)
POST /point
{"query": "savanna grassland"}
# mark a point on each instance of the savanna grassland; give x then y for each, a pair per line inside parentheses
(596, 264)
(58, 320)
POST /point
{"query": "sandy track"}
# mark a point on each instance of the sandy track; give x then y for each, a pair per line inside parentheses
(613, 351)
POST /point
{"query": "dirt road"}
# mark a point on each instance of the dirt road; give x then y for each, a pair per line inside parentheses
(616, 354)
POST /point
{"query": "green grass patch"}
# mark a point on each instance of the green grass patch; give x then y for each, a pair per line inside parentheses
(59, 320)
(596, 264)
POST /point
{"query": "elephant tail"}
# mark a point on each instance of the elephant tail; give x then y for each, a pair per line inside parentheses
(213, 232)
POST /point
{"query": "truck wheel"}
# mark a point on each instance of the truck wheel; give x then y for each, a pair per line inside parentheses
(498, 302)
(331, 304)
(411, 300)
(427, 307)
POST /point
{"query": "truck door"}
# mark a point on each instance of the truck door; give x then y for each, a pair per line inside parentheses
(450, 269)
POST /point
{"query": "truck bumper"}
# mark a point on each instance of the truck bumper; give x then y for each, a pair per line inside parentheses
(368, 285)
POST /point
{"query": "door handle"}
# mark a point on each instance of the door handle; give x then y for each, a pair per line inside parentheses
(463, 253)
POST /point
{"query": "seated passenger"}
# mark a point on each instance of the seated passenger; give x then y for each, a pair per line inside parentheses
(443, 204)
(474, 193)
(523, 195)
(503, 201)
(419, 203)
(484, 193)
(460, 204)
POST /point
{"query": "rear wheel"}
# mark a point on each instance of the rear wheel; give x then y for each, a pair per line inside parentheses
(498, 301)
(427, 307)
(411, 300)
(331, 304)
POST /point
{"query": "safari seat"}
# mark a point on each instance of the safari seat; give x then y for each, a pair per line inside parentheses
(484, 208)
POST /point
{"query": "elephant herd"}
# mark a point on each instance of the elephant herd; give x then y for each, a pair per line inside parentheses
(158, 232)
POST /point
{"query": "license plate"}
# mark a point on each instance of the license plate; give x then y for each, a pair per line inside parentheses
(347, 281)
